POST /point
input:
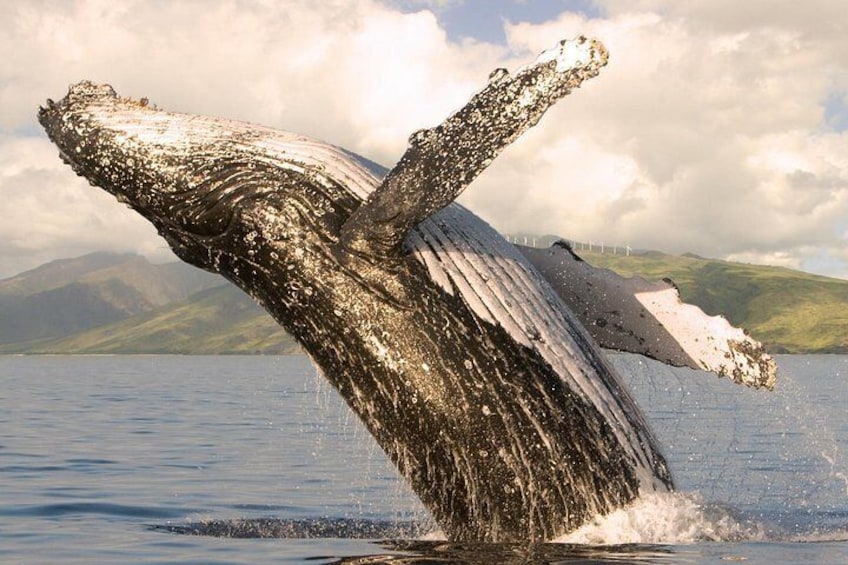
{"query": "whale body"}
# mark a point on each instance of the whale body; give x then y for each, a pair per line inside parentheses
(486, 391)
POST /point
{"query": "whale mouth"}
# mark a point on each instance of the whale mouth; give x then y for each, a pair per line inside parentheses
(148, 160)
(100, 136)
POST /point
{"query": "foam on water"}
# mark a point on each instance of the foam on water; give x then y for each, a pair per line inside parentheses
(668, 518)
(656, 520)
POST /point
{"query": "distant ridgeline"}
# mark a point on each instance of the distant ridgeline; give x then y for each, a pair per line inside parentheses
(542, 241)
(111, 303)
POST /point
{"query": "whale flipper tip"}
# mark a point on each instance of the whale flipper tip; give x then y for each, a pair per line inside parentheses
(442, 161)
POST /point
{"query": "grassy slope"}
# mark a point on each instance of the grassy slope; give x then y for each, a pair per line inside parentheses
(787, 310)
(219, 320)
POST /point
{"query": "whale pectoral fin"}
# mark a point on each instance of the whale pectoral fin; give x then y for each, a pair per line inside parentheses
(440, 162)
(638, 316)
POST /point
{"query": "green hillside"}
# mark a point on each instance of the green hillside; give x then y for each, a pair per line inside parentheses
(68, 296)
(789, 311)
(219, 320)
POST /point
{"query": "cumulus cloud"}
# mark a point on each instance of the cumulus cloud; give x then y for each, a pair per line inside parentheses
(705, 133)
(361, 75)
(711, 130)
(49, 214)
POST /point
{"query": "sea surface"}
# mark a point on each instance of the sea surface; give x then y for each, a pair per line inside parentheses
(178, 459)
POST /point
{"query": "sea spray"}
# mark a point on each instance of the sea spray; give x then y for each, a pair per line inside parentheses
(668, 518)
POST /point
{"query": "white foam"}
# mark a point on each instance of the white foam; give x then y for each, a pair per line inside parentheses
(667, 518)
(663, 519)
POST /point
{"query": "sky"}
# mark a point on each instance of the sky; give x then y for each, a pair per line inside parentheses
(718, 127)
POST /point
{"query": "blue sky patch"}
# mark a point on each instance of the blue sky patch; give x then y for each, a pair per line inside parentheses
(836, 111)
(484, 20)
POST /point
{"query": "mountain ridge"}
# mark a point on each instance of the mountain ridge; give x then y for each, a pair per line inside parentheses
(71, 295)
(122, 303)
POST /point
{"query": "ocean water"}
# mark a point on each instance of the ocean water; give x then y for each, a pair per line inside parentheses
(172, 459)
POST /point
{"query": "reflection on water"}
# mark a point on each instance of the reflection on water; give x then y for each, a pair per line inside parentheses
(432, 552)
(402, 543)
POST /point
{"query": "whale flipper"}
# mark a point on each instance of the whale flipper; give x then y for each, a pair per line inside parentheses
(649, 318)
(440, 162)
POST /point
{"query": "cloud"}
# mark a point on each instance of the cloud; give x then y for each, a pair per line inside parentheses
(49, 214)
(710, 128)
(714, 129)
(361, 75)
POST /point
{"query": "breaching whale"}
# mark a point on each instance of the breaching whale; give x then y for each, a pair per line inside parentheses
(487, 392)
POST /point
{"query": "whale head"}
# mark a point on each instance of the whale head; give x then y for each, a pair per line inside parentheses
(208, 185)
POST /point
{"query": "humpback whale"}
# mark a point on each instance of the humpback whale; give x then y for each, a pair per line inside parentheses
(488, 393)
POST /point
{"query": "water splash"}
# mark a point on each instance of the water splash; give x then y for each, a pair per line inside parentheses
(835, 467)
(668, 518)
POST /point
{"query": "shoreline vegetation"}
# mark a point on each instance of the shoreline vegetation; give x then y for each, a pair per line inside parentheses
(106, 303)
